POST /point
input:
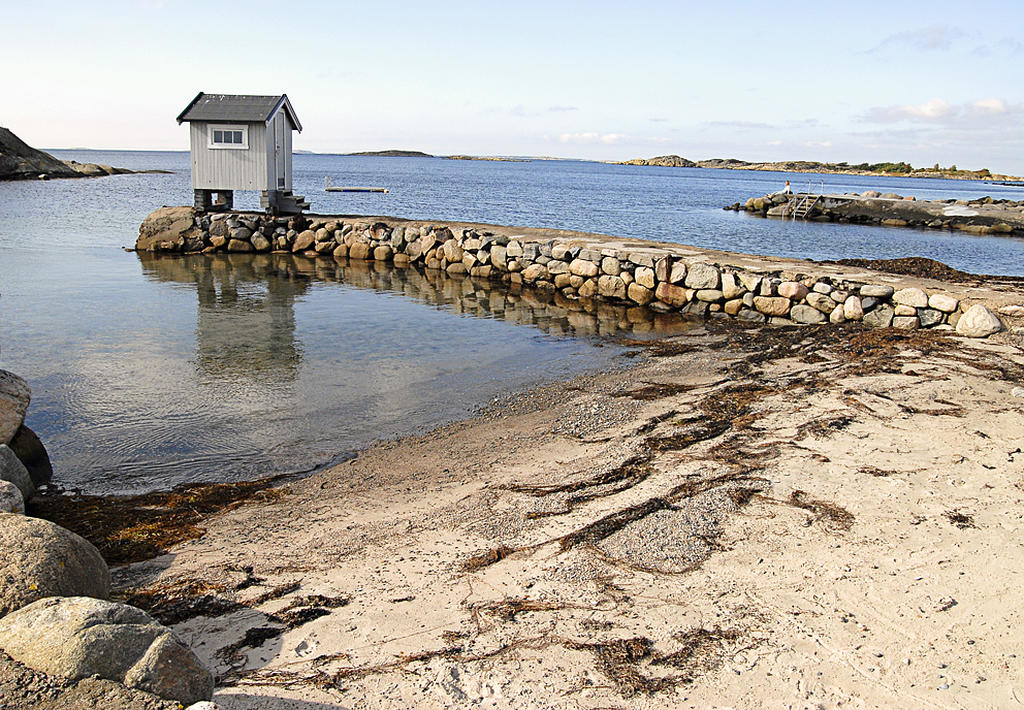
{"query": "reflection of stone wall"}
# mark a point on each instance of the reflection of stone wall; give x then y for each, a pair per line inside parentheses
(547, 310)
(579, 268)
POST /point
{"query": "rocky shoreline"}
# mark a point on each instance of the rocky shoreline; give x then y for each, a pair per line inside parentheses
(577, 270)
(815, 167)
(984, 215)
(19, 161)
(59, 633)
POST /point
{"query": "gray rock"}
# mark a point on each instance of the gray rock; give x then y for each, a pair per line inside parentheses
(822, 287)
(877, 291)
(11, 500)
(240, 233)
(930, 317)
(978, 322)
(906, 322)
(807, 314)
(13, 471)
(700, 276)
(820, 301)
(79, 637)
(41, 559)
(751, 316)
(868, 303)
(880, 317)
(15, 395)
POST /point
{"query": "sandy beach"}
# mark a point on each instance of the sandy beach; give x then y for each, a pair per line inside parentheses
(782, 517)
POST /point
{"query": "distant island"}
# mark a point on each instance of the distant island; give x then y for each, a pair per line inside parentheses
(809, 166)
(20, 161)
(394, 154)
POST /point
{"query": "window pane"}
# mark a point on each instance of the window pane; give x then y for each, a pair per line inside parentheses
(238, 137)
(218, 136)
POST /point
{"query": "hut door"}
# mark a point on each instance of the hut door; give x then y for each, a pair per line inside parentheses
(279, 156)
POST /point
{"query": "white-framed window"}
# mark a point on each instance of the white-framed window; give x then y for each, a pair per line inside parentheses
(222, 136)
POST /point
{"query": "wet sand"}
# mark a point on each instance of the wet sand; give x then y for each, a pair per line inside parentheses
(784, 517)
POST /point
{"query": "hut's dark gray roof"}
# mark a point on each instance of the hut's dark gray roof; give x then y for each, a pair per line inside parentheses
(243, 108)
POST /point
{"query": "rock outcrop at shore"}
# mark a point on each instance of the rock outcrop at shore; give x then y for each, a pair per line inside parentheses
(979, 216)
(19, 161)
(571, 270)
(668, 161)
(813, 166)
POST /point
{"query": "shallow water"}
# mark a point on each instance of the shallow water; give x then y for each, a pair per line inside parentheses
(151, 372)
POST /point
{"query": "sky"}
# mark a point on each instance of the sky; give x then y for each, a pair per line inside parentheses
(922, 82)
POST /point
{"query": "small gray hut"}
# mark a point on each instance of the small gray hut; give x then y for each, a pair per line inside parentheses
(242, 142)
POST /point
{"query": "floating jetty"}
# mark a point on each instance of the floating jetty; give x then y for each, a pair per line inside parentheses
(329, 187)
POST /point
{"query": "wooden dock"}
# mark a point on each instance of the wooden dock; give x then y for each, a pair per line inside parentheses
(329, 187)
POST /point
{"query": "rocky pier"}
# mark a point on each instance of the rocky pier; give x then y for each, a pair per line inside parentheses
(577, 271)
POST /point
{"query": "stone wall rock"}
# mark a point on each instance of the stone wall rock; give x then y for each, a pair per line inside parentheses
(79, 637)
(40, 559)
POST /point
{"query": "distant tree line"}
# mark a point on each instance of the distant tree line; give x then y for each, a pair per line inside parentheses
(902, 167)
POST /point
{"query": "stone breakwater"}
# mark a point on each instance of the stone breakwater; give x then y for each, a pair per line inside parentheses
(981, 216)
(577, 267)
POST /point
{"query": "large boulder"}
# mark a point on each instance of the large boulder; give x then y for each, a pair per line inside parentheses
(40, 559)
(30, 450)
(978, 322)
(166, 229)
(15, 395)
(79, 637)
(13, 471)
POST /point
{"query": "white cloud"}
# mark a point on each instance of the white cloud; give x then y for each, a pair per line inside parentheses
(592, 137)
(595, 138)
(818, 144)
(989, 106)
(562, 109)
(933, 38)
(983, 113)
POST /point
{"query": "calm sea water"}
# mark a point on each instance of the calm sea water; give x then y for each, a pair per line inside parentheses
(150, 372)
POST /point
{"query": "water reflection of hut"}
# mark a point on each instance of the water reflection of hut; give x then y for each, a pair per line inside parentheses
(245, 323)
